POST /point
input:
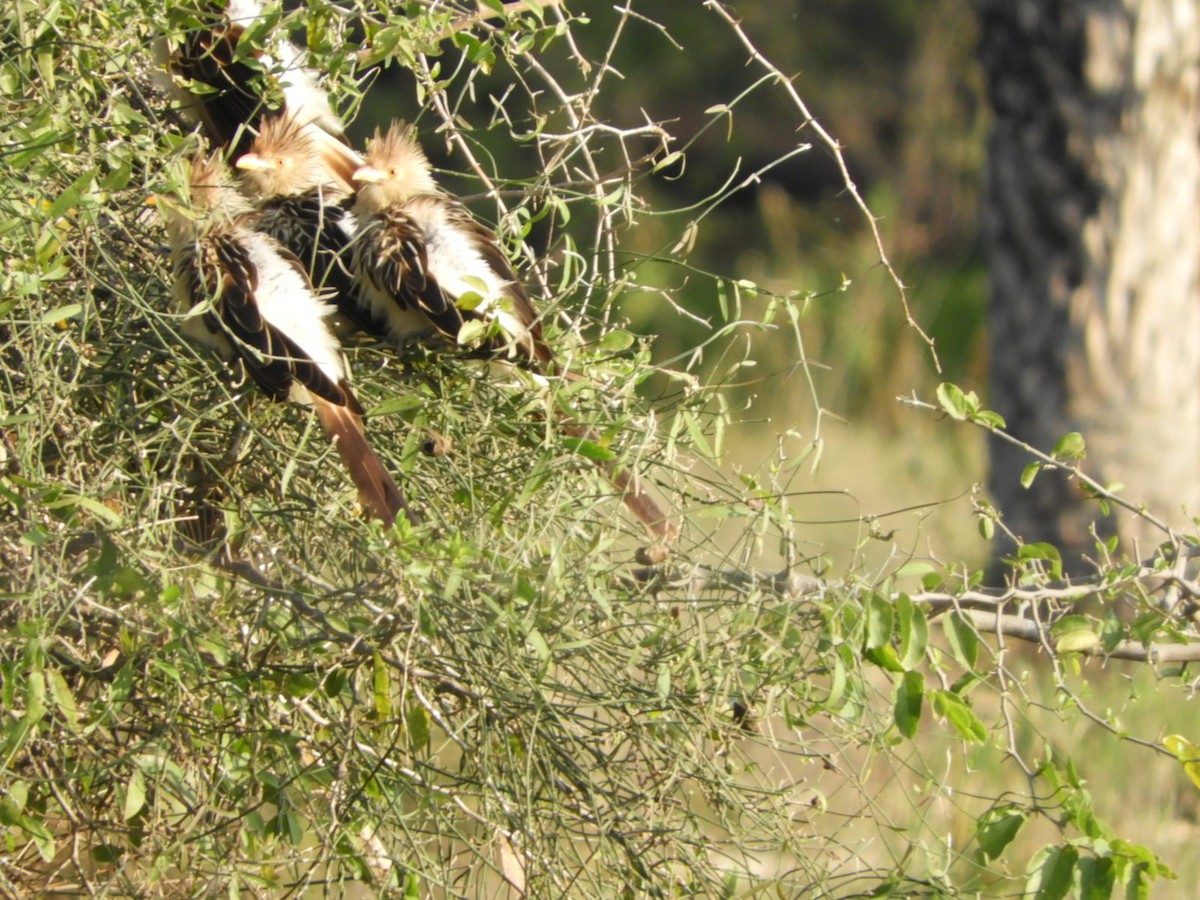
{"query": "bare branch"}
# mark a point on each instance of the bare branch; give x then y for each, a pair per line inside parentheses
(1032, 632)
(836, 150)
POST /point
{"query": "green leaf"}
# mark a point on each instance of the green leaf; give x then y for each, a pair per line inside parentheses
(1187, 753)
(61, 314)
(997, 827)
(987, 527)
(589, 449)
(381, 683)
(416, 720)
(399, 403)
(536, 642)
(950, 396)
(41, 836)
(1051, 873)
(885, 657)
(697, 435)
(910, 693)
(71, 196)
(1042, 551)
(64, 698)
(135, 794)
(1074, 633)
(1070, 447)
(12, 803)
(107, 853)
(663, 682)
(471, 332)
(964, 642)
(1029, 473)
(914, 631)
(35, 698)
(880, 622)
(838, 681)
(671, 158)
(615, 341)
(1097, 878)
(959, 715)
(291, 825)
(991, 419)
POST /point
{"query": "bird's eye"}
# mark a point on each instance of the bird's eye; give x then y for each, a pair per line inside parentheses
(279, 161)
(392, 171)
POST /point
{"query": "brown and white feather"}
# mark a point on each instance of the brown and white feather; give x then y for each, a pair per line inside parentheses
(255, 303)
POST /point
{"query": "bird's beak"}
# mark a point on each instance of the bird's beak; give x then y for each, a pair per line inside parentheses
(252, 162)
(369, 175)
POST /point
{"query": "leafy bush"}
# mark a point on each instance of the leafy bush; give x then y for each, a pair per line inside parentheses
(218, 677)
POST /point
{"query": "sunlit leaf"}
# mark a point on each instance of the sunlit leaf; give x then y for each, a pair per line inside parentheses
(910, 694)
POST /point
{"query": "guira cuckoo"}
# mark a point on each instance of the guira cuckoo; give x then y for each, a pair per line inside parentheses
(251, 300)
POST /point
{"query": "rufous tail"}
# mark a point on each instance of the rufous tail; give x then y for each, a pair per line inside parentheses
(339, 158)
(643, 506)
(377, 492)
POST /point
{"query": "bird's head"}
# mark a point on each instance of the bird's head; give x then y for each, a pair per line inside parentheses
(283, 161)
(205, 195)
(396, 170)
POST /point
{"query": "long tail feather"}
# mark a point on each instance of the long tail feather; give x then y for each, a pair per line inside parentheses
(340, 158)
(377, 492)
(643, 506)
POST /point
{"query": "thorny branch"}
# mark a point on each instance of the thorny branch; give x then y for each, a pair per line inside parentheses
(835, 150)
(984, 608)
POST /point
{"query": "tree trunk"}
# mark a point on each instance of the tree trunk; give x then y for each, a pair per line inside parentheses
(1091, 218)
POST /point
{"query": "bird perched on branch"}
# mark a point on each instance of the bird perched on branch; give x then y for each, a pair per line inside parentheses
(241, 83)
(252, 301)
(422, 260)
(301, 204)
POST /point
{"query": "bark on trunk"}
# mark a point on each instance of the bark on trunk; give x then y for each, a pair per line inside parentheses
(1092, 222)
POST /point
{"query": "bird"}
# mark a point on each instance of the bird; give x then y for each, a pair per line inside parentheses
(249, 299)
(238, 89)
(421, 260)
(302, 205)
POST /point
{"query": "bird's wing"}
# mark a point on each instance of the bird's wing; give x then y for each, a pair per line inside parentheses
(320, 232)
(390, 253)
(227, 277)
(208, 56)
(488, 247)
(232, 109)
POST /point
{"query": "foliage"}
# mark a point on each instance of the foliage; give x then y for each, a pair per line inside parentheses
(217, 677)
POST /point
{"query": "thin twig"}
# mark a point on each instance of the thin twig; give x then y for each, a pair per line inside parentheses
(836, 150)
(1073, 470)
(248, 572)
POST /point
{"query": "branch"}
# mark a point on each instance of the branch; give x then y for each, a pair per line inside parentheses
(836, 150)
(980, 607)
(247, 571)
(1028, 630)
(700, 579)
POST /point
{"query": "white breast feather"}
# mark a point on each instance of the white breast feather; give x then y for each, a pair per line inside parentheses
(286, 300)
(458, 265)
(307, 101)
